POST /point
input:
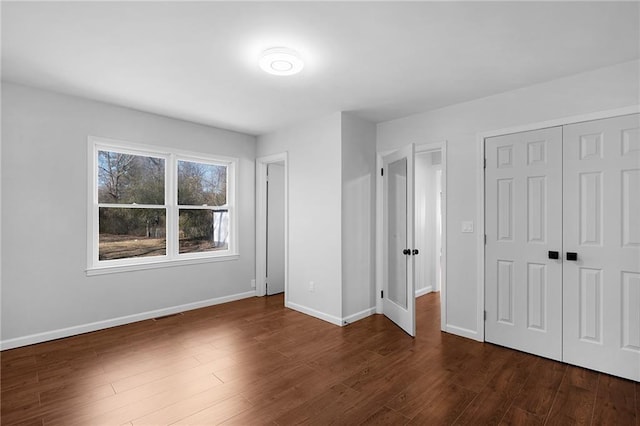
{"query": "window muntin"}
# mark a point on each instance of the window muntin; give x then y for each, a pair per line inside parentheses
(151, 206)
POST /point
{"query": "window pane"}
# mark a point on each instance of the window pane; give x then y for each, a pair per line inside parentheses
(203, 230)
(131, 232)
(201, 184)
(128, 179)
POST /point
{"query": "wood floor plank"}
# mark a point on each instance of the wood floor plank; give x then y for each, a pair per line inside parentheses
(518, 417)
(445, 406)
(385, 416)
(255, 362)
(217, 413)
(637, 404)
(325, 408)
(186, 407)
(575, 399)
(615, 402)
(148, 376)
(410, 400)
(492, 403)
(540, 389)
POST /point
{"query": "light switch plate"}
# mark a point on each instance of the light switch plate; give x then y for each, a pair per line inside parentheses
(467, 226)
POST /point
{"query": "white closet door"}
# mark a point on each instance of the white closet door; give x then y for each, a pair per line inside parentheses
(602, 226)
(523, 285)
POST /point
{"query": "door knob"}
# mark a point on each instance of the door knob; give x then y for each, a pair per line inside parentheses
(554, 255)
(572, 256)
(406, 252)
(414, 252)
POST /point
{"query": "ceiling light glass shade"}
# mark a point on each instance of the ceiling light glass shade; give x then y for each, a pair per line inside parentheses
(281, 61)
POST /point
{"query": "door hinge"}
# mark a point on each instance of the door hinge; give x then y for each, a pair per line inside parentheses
(381, 294)
(381, 172)
(485, 163)
(485, 239)
(485, 315)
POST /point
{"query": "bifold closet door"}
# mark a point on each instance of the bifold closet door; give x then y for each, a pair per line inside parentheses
(602, 228)
(523, 223)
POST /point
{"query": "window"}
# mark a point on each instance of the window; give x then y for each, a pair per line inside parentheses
(152, 207)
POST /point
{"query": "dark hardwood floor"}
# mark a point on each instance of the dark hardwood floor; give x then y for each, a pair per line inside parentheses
(255, 362)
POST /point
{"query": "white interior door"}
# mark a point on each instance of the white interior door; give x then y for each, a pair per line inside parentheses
(523, 210)
(275, 228)
(398, 302)
(602, 228)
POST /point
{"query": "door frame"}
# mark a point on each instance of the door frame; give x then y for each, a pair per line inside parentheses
(419, 148)
(261, 221)
(481, 199)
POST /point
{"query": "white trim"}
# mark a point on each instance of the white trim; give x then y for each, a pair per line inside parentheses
(261, 221)
(480, 138)
(632, 109)
(379, 267)
(462, 332)
(160, 264)
(423, 291)
(359, 315)
(312, 312)
(128, 319)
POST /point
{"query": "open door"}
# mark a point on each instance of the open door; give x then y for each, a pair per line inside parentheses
(398, 297)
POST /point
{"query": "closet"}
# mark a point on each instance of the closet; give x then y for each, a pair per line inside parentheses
(562, 254)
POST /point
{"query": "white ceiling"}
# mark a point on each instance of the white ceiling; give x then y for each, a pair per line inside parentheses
(383, 60)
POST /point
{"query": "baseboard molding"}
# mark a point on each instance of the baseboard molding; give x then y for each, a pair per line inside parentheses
(463, 332)
(423, 291)
(358, 316)
(100, 325)
(314, 313)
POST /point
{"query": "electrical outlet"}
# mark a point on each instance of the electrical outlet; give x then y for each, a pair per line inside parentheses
(312, 286)
(467, 227)
(253, 283)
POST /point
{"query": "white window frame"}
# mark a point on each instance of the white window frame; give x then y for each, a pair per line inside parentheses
(172, 256)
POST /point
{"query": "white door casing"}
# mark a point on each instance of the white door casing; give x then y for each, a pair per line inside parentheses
(602, 226)
(398, 250)
(523, 285)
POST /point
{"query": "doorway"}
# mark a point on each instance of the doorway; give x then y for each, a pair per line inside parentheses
(271, 225)
(275, 229)
(411, 231)
(428, 221)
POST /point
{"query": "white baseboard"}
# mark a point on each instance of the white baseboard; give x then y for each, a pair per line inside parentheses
(100, 325)
(358, 316)
(463, 332)
(314, 313)
(423, 291)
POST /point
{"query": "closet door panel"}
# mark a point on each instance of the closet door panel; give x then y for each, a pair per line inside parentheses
(523, 286)
(601, 209)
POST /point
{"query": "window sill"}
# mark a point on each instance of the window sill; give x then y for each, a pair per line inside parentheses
(101, 270)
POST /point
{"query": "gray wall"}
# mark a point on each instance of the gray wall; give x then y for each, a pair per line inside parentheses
(358, 217)
(45, 291)
(315, 209)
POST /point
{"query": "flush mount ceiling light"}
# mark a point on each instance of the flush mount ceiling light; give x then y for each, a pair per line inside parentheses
(281, 61)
